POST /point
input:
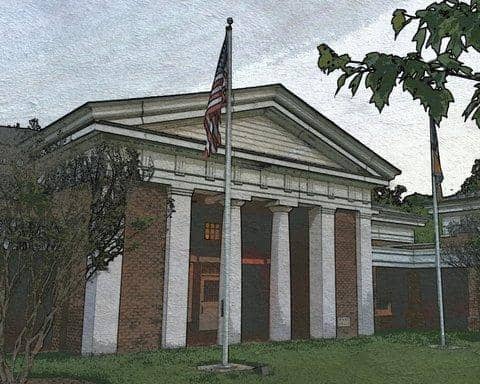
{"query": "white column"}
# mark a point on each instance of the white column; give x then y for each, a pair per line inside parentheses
(364, 275)
(235, 276)
(280, 301)
(177, 255)
(101, 310)
(322, 272)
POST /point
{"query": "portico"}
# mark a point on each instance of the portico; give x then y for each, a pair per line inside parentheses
(301, 220)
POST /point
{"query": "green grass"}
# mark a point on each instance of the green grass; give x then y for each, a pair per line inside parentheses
(398, 357)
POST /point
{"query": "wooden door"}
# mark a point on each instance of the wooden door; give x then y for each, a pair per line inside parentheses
(208, 317)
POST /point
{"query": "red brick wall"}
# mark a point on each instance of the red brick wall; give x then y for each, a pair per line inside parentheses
(414, 315)
(473, 300)
(412, 294)
(346, 272)
(141, 295)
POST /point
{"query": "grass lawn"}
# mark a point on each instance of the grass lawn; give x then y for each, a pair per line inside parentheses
(400, 357)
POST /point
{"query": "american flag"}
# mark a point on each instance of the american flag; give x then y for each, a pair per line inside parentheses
(216, 101)
(436, 165)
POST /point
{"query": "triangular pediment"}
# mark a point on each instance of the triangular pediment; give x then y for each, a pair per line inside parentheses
(258, 134)
(269, 122)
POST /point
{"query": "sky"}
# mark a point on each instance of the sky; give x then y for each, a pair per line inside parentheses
(57, 54)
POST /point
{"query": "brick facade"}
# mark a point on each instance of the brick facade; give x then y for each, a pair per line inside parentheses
(414, 315)
(141, 297)
(473, 300)
(411, 294)
(346, 273)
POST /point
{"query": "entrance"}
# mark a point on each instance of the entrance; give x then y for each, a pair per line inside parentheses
(204, 271)
(208, 317)
(203, 301)
(256, 241)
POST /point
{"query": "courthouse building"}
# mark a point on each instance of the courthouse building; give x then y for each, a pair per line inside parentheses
(303, 226)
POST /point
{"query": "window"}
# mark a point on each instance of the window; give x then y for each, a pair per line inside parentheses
(210, 291)
(212, 231)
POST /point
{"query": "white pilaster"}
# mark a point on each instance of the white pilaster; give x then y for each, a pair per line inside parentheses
(280, 301)
(177, 254)
(235, 276)
(364, 275)
(101, 310)
(322, 272)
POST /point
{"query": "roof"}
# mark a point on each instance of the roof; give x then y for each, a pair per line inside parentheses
(459, 203)
(11, 135)
(391, 215)
(184, 104)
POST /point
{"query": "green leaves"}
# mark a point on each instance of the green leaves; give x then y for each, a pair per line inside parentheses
(435, 100)
(399, 20)
(474, 106)
(419, 38)
(355, 83)
(455, 23)
(329, 61)
(382, 77)
(341, 82)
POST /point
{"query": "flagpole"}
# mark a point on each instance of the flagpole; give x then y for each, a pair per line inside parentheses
(227, 211)
(437, 237)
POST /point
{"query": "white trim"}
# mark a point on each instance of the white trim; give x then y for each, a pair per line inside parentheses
(404, 258)
(184, 143)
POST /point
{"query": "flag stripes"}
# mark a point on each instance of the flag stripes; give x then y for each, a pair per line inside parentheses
(436, 165)
(216, 101)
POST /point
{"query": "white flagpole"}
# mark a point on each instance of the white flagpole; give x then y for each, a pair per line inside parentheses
(437, 239)
(227, 211)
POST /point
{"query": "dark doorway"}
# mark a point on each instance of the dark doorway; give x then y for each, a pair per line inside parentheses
(256, 240)
(204, 271)
(299, 273)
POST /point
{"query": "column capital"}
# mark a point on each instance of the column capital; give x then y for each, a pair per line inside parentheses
(279, 208)
(233, 203)
(328, 210)
(365, 215)
(177, 191)
(237, 203)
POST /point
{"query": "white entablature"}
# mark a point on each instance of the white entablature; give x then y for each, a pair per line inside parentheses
(282, 146)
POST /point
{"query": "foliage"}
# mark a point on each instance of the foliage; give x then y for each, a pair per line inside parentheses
(448, 28)
(462, 250)
(61, 220)
(418, 204)
(415, 203)
(472, 183)
(387, 196)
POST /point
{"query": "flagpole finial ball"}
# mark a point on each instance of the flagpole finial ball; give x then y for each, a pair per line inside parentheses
(229, 21)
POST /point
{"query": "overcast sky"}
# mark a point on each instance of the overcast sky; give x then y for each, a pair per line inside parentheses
(58, 54)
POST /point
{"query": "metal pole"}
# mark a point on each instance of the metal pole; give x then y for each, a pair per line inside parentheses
(437, 239)
(227, 211)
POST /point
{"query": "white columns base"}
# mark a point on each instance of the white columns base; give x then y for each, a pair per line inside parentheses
(177, 255)
(280, 300)
(101, 310)
(364, 275)
(322, 273)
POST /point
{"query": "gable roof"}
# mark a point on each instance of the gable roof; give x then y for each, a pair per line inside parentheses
(275, 99)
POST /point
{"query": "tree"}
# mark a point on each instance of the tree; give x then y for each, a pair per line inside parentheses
(414, 203)
(462, 250)
(472, 183)
(62, 219)
(449, 29)
(387, 196)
